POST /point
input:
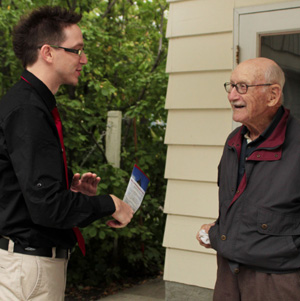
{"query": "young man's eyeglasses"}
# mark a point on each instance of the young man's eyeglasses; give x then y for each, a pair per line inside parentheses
(241, 88)
(76, 51)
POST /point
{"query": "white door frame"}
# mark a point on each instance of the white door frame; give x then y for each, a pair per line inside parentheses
(238, 12)
(255, 9)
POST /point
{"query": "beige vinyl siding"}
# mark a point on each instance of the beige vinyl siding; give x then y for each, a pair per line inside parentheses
(194, 163)
(198, 127)
(177, 227)
(199, 120)
(201, 90)
(192, 53)
(188, 198)
(189, 267)
(199, 17)
(200, 59)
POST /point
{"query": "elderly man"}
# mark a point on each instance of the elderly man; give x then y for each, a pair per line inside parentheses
(257, 233)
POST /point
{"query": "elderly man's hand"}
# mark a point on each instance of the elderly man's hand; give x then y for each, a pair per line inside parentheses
(206, 228)
(87, 184)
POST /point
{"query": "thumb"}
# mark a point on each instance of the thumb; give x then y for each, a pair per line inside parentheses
(75, 179)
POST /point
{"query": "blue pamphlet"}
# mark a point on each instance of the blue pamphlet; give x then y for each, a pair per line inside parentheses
(136, 188)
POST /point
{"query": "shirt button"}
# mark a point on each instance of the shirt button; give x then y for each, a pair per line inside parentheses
(223, 237)
(39, 184)
(264, 226)
(237, 192)
(236, 271)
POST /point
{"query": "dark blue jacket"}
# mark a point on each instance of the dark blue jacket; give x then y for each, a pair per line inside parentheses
(259, 221)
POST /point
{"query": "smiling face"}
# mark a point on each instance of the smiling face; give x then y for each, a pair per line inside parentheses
(68, 65)
(253, 108)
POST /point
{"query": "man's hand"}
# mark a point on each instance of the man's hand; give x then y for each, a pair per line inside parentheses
(87, 184)
(206, 228)
(123, 214)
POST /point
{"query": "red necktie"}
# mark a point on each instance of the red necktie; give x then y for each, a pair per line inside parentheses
(58, 124)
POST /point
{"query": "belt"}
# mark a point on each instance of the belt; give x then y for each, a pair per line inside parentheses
(45, 252)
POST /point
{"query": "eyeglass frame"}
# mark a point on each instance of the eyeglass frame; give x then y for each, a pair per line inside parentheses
(237, 87)
(76, 51)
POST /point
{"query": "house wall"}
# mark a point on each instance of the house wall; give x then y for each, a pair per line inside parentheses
(200, 60)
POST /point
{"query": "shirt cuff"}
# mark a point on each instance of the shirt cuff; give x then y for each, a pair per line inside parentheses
(104, 205)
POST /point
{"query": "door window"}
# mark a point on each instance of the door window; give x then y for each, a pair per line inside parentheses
(284, 49)
(273, 31)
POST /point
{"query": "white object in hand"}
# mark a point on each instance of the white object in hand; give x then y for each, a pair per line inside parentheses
(204, 237)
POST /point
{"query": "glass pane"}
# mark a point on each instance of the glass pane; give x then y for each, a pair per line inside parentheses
(284, 49)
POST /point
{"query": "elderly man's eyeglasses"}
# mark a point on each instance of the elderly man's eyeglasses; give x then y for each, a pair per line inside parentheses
(76, 51)
(241, 88)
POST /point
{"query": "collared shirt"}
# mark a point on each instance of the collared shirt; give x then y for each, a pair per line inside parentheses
(36, 208)
(248, 147)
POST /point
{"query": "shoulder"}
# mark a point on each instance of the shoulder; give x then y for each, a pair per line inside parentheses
(293, 125)
(19, 97)
(233, 134)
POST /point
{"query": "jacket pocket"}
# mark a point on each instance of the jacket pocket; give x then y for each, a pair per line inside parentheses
(273, 223)
(275, 248)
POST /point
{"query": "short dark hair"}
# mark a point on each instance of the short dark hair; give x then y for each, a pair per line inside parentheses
(42, 26)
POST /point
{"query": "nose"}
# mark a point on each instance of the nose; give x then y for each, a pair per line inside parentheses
(233, 94)
(83, 59)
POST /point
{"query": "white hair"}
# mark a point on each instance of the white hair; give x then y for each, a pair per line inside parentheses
(275, 75)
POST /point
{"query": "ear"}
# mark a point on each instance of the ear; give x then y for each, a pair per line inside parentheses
(275, 95)
(47, 53)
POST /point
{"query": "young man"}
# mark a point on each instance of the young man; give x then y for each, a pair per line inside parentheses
(257, 233)
(39, 210)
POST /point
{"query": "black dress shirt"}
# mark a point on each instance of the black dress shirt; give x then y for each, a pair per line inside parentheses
(36, 208)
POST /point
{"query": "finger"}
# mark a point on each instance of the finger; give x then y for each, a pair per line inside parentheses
(115, 224)
(76, 176)
(207, 246)
(96, 181)
(90, 178)
(85, 176)
(75, 179)
(93, 180)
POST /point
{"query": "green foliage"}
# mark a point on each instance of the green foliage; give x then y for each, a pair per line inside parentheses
(126, 48)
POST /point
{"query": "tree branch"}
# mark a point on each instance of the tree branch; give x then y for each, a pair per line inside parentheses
(96, 145)
(72, 6)
(108, 10)
(160, 52)
(161, 30)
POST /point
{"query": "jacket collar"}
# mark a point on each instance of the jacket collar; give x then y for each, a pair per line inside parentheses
(275, 140)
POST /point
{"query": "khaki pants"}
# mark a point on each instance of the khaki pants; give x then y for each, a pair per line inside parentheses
(28, 277)
(250, 285)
